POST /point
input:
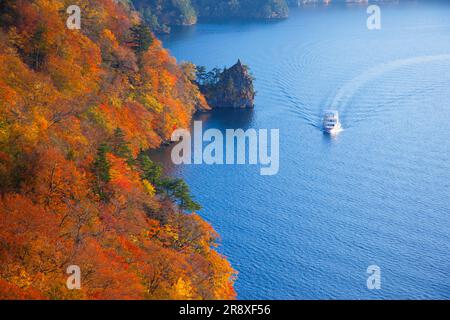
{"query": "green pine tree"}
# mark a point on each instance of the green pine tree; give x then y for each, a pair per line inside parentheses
(176, 190)
(141, 38)
(101, 169)
(120, 147)
(151, 172)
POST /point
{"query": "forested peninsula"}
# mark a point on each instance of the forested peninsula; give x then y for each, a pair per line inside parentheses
(161, 15)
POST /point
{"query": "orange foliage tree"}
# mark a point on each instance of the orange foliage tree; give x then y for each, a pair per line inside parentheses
(76, 109)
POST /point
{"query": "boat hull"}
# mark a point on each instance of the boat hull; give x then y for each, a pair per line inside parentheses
(331, 123)
(334, 130)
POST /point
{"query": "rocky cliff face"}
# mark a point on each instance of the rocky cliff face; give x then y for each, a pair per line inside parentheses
(230, 88)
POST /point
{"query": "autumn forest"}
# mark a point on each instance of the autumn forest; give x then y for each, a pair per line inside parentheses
(78, 111)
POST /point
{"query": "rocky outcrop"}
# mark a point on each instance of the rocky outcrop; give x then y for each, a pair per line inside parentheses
(229, 88)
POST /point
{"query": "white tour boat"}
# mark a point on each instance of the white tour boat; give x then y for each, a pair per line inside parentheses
(331, 123)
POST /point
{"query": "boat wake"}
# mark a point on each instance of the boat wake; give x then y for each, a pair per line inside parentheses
(345, 94)
(309, 100)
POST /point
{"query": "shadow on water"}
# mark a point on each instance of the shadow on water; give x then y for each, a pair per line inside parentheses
(240, 22)
(221, 119)
(179, 33)
(162, 156)
(183, 33)
(330, 139)
(225, 118)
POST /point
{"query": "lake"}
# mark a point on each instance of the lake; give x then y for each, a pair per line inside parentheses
(376, 194)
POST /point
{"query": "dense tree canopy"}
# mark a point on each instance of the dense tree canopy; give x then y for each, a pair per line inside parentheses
(77, 107)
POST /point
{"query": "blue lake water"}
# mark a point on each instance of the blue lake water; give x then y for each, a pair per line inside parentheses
(377, 194)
